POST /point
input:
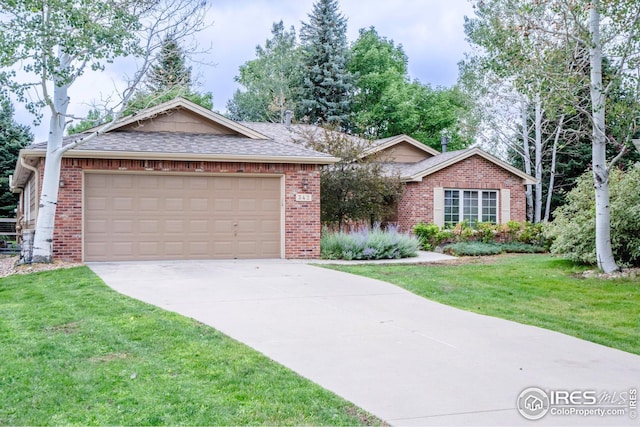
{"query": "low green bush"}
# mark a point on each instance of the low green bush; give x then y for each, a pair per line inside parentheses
(368, 245)
(532, 233)
(473, 249)
(481, 248)
(430, 235)
(522, 248)
(487, 232)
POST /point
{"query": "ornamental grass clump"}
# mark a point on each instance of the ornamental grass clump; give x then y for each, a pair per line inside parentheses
(368, 244)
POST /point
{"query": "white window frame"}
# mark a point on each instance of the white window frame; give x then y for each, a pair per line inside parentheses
(462, 203)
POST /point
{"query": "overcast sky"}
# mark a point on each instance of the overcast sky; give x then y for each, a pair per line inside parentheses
(431, 32)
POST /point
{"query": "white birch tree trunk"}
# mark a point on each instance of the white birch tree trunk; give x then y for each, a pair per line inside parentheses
(552, 170)
(45, 223)
(604, 253)
(538, 158)
(527, 161)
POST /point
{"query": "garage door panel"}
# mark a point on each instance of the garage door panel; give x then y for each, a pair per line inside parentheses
(123, 249)
(223, 249)
(122, 226)
(146, 217)
(199, 204)
(148, 248)
(148, 226)
(247, 205)
(120, 182)
(174, 226)
(97, 226)
(198, 184)
(199, 226)
(122, 204)
(199, 249)
(175, 248)
(148, 204)
(96, 203)
(223, 183)
(270, 205)
(174, 204)
(173, 182)
(223, 206)
(270, 226)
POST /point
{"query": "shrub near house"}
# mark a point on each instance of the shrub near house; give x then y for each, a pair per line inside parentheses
(368, 244)
(485, 239)
(574, 226)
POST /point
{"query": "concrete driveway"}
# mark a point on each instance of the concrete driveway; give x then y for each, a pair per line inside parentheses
(407, 360)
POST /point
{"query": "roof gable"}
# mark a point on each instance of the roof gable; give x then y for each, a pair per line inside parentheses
(181, 115)
(417, 171)
(385, 144)
(402, 152)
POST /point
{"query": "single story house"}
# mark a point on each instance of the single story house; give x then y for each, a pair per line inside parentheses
(177, 181)
(443, 188)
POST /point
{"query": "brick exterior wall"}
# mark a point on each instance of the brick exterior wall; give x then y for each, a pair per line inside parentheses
(473, 173)
(302, 219)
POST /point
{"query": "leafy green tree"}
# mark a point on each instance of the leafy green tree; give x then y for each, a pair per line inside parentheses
(387, 103)
(353, 189)
(13, 137)
(574, 226)
(562, 46)
(95, 117)
(272, 82)
(327, 86)
(380, 68)
(56, 42)
(426, 113)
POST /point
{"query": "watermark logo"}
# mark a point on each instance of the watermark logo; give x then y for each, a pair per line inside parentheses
(533, 403)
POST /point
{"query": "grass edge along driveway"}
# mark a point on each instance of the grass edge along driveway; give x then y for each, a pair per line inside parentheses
(75, 352)
(538, 290)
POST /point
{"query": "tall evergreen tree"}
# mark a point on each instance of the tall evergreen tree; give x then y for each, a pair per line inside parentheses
(13, 137)
(170, 69)
(327, 86)
(168, 78)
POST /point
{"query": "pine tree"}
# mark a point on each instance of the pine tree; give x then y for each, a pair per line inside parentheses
(327, 85)
(13, 137)
(170, 70)
(168, 78)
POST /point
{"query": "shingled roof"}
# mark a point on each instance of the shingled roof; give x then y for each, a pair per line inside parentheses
(417, 171)
(228, 146)
(242, 143)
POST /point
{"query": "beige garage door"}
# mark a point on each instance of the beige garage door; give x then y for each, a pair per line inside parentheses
(155, 217)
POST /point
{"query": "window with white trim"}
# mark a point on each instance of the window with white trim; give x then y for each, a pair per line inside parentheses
(472, 206)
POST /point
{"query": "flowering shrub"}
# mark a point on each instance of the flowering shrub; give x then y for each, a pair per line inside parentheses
(368, 244)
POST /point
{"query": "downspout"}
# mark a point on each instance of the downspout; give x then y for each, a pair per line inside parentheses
(20, 208)
(37, 183)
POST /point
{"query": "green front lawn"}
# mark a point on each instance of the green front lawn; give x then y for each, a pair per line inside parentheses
(75, 352)
(533, 289)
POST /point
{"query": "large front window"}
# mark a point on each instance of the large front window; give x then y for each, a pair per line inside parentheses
(472, 206)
